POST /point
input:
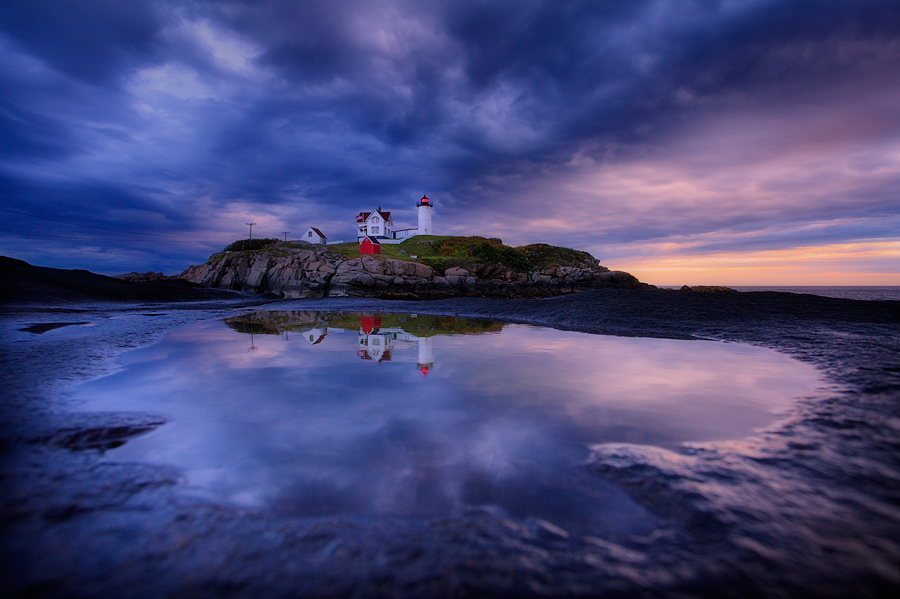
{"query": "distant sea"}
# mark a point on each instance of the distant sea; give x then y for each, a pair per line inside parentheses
(845, 292)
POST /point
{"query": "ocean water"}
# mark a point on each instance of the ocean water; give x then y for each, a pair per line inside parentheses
(871, 293)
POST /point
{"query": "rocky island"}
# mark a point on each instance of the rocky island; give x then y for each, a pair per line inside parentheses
(442, 267)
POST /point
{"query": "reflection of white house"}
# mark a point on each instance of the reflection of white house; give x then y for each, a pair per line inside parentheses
(315, 336)
(313, 235)
(377, 343)
(378, 224)
(375, 346)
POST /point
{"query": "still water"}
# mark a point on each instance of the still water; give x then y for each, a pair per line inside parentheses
(323, 414)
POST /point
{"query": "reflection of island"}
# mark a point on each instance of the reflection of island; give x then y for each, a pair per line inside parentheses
(379, 335)
(377, 341)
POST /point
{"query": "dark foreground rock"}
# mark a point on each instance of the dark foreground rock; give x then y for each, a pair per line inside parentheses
(24, 283)
(708, 289)
(806, 508)
(142, 277)
(303, 273)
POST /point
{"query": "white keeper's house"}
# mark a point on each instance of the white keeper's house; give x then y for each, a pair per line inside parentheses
(313, 235)
(378, 225)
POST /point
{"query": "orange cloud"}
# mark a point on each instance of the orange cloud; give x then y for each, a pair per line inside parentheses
(865, 263)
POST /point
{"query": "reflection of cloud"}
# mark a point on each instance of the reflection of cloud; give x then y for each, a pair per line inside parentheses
(581, 370)
(233, 351)
(504, 422)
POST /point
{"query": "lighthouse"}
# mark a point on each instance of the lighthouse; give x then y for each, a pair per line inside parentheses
(425, 207)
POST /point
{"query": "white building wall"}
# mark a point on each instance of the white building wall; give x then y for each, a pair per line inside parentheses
(311, 236)
(377, 226)
(425, 355)
(374, 226)
(425, 220)
(313, 335)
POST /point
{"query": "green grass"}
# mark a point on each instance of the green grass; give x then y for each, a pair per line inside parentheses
(250, 244)
(275, 323)
(445, 251)
(421, 246)
(541, 256)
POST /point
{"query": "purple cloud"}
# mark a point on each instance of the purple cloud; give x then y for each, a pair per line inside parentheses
(610, 126)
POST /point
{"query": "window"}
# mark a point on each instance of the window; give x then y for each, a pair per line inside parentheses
(375, 220)
(375, 230)
(310, 233)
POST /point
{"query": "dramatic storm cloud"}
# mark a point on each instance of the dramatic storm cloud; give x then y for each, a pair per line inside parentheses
(722, 141)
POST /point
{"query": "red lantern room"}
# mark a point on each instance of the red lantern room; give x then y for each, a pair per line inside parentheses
(424, 201)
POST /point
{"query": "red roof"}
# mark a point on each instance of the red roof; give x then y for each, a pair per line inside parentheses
(365, 215)
(364, 354)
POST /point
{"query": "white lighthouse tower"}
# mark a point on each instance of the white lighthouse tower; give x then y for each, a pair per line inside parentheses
(425, 207)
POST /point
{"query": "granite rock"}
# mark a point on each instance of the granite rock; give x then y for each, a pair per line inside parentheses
(316, 272)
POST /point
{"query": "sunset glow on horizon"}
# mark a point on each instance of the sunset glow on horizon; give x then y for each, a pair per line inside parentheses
(839, 264)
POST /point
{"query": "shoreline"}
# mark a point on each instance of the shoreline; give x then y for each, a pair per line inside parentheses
(834, 525)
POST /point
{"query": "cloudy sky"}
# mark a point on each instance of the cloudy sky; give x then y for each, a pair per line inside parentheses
(686, 141)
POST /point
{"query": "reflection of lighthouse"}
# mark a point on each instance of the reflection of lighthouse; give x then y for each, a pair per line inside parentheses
(425, 207)
(426, 361)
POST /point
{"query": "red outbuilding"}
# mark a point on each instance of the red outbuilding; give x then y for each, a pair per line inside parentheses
(367, 324)
(369, 246)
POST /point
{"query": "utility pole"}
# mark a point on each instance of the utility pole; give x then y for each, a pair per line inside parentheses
(251, 233)
(285, 235)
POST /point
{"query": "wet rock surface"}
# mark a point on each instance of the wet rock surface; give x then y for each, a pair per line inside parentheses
(302, 273)
(807, 507)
